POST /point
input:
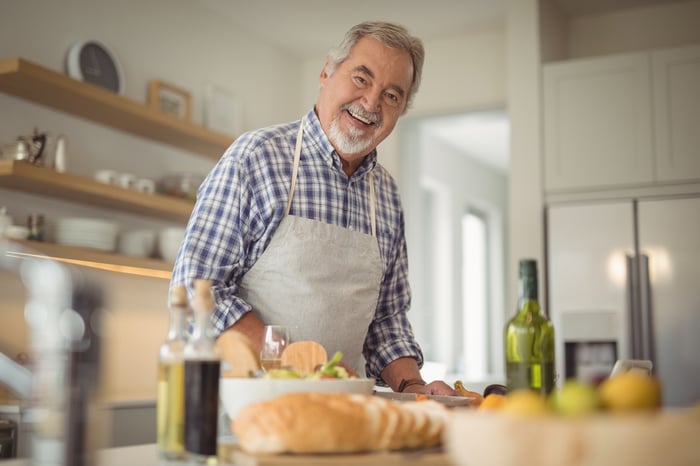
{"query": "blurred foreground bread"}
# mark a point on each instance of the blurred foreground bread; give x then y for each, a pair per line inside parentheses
(338, 423)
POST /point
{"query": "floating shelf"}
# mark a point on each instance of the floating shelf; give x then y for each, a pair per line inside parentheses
(23, 176)
(91, 258)
(29, 81)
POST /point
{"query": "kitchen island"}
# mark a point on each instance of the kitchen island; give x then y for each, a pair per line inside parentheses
(147, 455)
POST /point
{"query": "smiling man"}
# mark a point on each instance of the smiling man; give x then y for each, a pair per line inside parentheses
(298, 224)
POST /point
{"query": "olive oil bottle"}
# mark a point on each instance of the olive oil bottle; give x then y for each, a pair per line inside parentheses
(202, 369)
(170, 404)
(529, 338)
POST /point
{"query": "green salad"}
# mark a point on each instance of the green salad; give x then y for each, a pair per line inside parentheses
(329, 370)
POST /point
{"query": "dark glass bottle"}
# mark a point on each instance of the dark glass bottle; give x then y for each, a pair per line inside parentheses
(202, 369)
(170, 407)
(529, 339)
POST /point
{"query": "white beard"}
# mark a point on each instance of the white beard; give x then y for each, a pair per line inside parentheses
(351, 143)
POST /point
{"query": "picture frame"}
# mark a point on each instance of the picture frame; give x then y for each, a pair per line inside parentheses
(167, 98)
(222, 111)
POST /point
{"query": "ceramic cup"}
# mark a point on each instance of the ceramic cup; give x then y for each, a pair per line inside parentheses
(106, 176)
(126, 180)
(145, 185)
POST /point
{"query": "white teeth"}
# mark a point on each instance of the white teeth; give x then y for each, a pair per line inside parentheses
(363, 120)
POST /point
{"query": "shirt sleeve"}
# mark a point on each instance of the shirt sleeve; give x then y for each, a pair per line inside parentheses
(390, 334)
(225, 222)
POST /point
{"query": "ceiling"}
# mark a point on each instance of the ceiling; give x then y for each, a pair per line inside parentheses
(309, 28)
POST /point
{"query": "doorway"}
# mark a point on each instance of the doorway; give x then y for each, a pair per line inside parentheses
(454, 185)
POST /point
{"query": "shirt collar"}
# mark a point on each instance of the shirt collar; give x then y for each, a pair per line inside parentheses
(314, 133)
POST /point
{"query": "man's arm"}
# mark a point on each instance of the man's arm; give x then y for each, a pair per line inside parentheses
(405, 371)
(251, 327)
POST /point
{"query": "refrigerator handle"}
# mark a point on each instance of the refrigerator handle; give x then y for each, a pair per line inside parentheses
(645, 310)
(634, 308)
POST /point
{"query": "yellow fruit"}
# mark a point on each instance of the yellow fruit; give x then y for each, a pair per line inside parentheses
(525, 402)
(493, 402)
(630, 391)
(575, 398)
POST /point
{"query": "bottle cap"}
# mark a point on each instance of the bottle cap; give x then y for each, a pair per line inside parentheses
(203, 299)
(178, 295)
(528, 266)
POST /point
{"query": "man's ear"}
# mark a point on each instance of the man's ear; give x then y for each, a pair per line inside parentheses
(324, 74)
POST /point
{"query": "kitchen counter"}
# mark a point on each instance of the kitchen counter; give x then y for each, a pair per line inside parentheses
(147, 455)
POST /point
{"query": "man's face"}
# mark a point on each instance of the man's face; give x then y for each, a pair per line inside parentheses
(359, 104)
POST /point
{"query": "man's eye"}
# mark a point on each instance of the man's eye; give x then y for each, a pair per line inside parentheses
(393, 99)
(360, 80)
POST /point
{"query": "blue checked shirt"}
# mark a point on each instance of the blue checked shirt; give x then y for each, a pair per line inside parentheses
(242, 201)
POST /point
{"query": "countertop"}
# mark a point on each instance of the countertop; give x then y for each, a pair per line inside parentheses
(147, 455)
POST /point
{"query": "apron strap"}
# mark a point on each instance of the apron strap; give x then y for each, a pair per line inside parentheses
(295, 170)
(372, 204)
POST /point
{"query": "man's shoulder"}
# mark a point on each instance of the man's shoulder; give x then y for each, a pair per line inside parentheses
(268, 134)
(266, 141)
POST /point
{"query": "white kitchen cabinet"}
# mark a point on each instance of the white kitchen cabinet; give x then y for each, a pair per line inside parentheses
(622, 121)
(676, 81)
(598, 122)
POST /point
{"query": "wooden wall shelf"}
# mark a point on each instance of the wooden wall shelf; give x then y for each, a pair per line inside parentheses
(28, 178)
(91, 258)
(29, 81)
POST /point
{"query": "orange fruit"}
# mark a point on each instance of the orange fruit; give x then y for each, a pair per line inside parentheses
(525, 402)
(630, 391)
(493, 402)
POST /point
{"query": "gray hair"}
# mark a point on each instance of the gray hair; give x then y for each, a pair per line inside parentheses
(391, 35)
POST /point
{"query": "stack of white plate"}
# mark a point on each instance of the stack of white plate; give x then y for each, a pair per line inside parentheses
(87, 233)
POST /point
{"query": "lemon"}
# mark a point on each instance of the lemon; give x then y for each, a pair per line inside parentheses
(525, 402)
(575, 398)
(493, 401)
(630, 391)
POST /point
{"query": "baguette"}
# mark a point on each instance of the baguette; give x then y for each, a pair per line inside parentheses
(338, 423)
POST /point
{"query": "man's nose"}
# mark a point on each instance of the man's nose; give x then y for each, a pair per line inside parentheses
(372, 100)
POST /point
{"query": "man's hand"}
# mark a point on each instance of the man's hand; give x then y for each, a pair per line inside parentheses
(437, 387)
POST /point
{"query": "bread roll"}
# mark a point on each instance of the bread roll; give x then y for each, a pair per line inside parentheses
(338, 423)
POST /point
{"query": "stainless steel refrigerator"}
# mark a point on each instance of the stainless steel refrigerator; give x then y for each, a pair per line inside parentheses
(624, 283)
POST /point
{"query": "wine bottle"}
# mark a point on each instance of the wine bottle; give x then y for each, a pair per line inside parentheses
(529, 338)
(202, 369)
(170, 404)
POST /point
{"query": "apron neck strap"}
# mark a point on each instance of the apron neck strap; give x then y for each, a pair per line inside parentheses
(295, 168)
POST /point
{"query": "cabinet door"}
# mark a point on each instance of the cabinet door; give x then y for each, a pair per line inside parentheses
(676, 75)
(598, 122)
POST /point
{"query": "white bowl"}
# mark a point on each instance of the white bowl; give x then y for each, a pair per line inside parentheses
(169, 240)
(492, 438)
(237, 393)
(137, 243)
(15, 232)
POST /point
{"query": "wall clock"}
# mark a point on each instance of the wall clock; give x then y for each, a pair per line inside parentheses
(92, 62)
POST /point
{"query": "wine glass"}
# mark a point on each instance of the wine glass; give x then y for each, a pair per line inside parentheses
(275, 340)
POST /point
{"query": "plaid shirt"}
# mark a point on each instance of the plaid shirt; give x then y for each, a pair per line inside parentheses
(242, 201)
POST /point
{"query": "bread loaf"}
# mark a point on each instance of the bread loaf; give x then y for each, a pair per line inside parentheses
(338, 423)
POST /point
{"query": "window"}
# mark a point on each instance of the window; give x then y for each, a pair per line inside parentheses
(474, 295)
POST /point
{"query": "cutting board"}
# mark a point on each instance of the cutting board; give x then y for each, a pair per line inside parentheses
(431, 457)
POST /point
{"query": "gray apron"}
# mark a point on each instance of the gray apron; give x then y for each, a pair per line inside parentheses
(323, 279)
